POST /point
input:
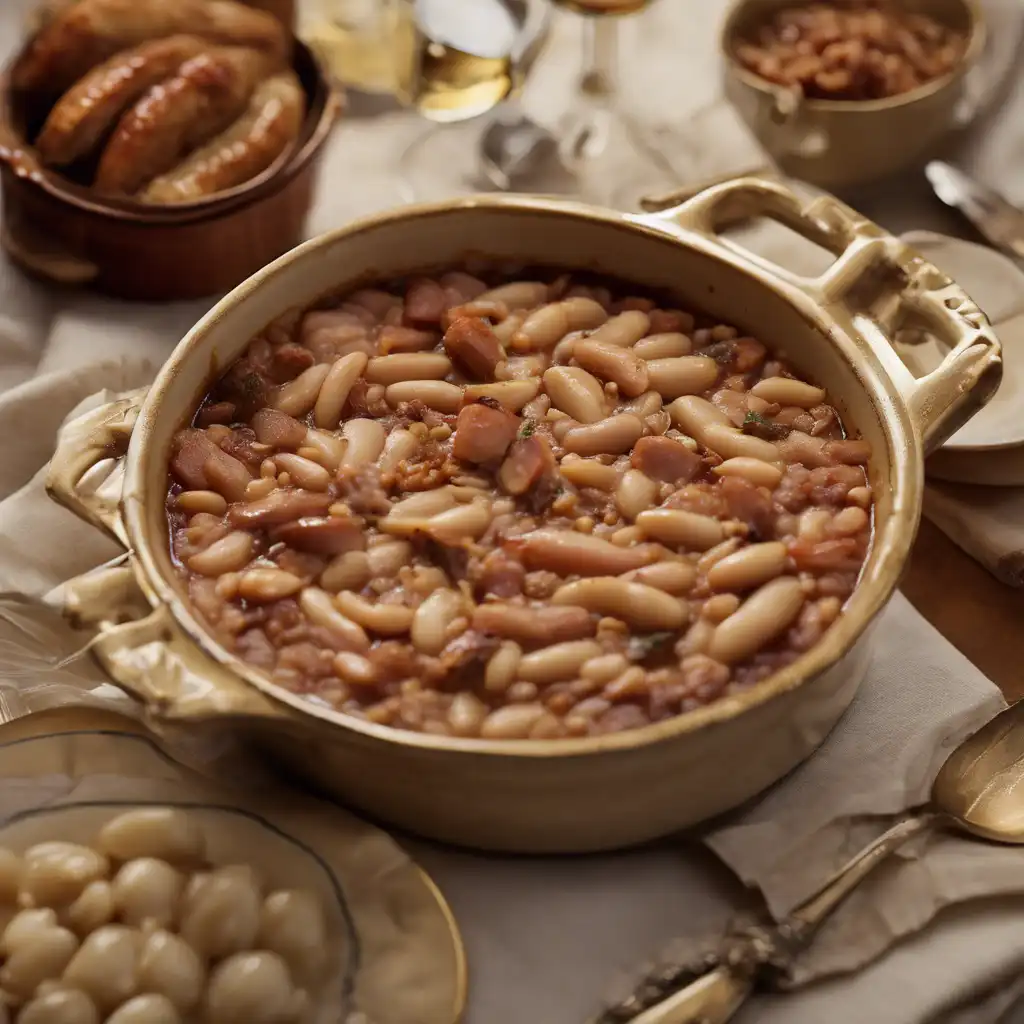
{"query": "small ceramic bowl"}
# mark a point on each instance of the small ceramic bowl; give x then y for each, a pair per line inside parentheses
(840, 143)
(63, 232)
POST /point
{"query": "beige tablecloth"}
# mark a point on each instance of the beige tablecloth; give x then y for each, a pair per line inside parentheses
(546, 937)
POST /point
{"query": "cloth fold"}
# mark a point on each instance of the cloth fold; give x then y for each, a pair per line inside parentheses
(936, 929)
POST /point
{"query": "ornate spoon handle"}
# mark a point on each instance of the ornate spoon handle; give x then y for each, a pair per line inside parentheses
(761, 954)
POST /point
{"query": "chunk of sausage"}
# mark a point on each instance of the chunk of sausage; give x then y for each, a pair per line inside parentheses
(547, 625)
(662, 458)
(483, 433)
(328, 535)
(529, 460)
(472, 344)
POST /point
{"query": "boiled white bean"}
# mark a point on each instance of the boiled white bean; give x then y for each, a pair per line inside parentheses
(511, 394)
(221, 912)
(502, 667)
(330, 449)
(410, 366)
(350, 571)
(611, 436)
(387, 619)
(761, 474)
(576, 393)
(61, 1006)
(762, 617)
(162, 832)
(749, 567)
(558, 662)
(514, 721)
(365, 442)
(25, 927)
(303, 472)
(679, 528)
(636, 493)
(229, 554)
(401, 444)
(731, 443)
(435, 394)
(320, 608)
(335, 389)
(619, 365)
(106, 965)
(94, 908)
(202, 501)
(42, 956)
(457, 524)
(673, 577)
(168, 965)
(265, 585)
(546, 326)
(663, 346)
(517, 294)
(589, 473)
(643, 607)
(432, 619)
(682, 375)
(299, 396)
(250, 988)
(146, 1009)
(292, 925)
(624, 330)
(786, 391)
(147, 891)
(55, 873)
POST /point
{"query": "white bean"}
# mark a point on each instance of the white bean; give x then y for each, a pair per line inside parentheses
(663, 346)
(55, 873)
(731, 443)
(299, 396)
(350, 571)
(466, 521)
(93, 909)
(761, 474)
(502, 666)
(202, 501)
(320, 609)
(229, 554)
(749, 567)
(613, 363)
(146, 1009)
(106, 966)
(589, 473)
(365, 442)
(292, 926)
(387, 559)
(388, 619)
(546, 326)
(612, 436)
(335, 389)
(624, 330)
(250, 988)
(408, 366)
(694, 415)
(645, 608)
(511, 394)
(432, 619)
(425, 504)
(514, 721)
(41, 958)
(517, 294)
(25, 927)
(168, 965)
(466, 714)
(636, 493)
(162, 832)
(330, 449)
(354, 669)
(401, 444)
(786, 391)
(435, 394)
(61, 1006)
(682, 375)
(303, 472)
(673, 577)
(604, 669)
(679, 528)
(147, 891)
(558, 662)
(221, 912)
(762, 617)
(266, 585)
(849, 521)
(576, 392)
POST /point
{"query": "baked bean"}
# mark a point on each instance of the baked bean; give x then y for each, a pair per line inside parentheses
(643, 607)
(476, 489)
(337, 386)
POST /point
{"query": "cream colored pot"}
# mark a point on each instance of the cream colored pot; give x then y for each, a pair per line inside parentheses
(566, 795)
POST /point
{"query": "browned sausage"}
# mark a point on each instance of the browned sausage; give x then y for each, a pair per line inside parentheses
(86, 112)
(268, 128)
(206, 95)
(91, 31)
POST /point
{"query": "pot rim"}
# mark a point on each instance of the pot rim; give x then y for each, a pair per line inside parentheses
(889, 548)
(976, 40)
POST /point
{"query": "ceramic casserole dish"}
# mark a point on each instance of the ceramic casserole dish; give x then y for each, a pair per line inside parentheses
(570, 795)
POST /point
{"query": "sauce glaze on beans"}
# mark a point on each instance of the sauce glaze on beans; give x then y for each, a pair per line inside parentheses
(515, 505)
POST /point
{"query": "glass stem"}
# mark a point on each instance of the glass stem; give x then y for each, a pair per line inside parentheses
(600, 80)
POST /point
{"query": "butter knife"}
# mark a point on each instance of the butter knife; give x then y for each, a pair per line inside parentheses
(996, 219)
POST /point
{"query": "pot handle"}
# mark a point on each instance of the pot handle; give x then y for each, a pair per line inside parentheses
(875, 275)
(100, 435)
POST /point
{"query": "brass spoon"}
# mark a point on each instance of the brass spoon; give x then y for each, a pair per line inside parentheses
(979, 790)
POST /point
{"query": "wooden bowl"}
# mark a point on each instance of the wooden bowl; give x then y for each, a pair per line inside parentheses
(65, 233)
(837, 144)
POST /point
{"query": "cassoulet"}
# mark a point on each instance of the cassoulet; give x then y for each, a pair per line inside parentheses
(515, 508)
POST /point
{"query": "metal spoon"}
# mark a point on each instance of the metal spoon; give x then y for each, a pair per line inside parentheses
(979, 790)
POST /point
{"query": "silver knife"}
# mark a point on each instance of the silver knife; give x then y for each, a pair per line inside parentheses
(997, 220)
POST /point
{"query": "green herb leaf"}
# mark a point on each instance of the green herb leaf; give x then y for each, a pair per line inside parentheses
(527, 429)
(641, 646)
(753, 417)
